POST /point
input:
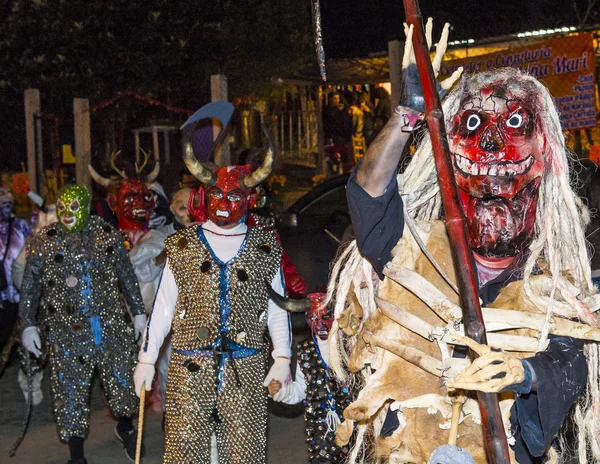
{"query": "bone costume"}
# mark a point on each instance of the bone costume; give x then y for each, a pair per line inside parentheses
(511, 167)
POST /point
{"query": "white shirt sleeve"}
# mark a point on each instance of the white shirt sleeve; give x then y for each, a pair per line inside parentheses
(295, 391)
(279, 323)
(161, 317)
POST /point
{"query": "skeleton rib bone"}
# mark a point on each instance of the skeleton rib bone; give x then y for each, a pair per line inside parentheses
(424, 290)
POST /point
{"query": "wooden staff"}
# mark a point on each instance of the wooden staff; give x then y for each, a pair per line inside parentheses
(138, 445)
(494, 436)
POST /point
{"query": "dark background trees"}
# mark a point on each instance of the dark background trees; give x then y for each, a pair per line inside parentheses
(162, 49)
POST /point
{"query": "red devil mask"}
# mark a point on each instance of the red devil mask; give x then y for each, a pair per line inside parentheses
(226, 190)
(227, 201)
(498, 157)
(319, 318)
(128, 197)
(133, 203)
(227, 198)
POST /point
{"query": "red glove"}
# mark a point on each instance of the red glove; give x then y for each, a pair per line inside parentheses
(294, 283)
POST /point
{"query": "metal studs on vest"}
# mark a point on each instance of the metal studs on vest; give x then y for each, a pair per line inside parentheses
(205, 267)
(182, 243)
(242, 275)
(203, 333)
(265, 248)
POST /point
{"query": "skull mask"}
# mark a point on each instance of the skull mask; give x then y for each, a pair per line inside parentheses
(498, 159)
(73, 207)
(6, 204)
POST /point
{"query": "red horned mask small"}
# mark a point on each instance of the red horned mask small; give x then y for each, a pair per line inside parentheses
(128, 197)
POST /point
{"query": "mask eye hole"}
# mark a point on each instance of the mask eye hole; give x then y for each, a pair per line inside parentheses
(74, 206)
(60, 205)
(473, 122)
(515, 121)
(148, 197)
(215, 194)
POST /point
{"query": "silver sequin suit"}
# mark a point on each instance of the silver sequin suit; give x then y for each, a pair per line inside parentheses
(221, 308)
(79, 274)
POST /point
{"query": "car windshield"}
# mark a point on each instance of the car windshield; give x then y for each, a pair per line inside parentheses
(323, 207)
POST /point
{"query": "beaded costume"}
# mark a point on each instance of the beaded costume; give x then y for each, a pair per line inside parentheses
(78, 275)
(324, 396)
(219, 351)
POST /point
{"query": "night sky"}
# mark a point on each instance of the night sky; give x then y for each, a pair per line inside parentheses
(357, 27)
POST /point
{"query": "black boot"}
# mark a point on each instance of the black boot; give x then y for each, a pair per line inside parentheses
(76, 451)
(128, 436)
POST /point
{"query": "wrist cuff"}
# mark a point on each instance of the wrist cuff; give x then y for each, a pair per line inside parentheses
(523, 388)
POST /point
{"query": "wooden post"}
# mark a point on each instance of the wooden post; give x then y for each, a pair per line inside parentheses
(218, 91)
(395, 48)
(167, 147)
(83, 141)
(155, 146)
(32, 109)
(137, 145)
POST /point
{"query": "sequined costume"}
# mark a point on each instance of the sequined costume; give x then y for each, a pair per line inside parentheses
(219, 350)
(324, 397)
(78, 275)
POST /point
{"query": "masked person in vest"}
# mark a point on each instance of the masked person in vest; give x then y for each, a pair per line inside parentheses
(213, 294)
(77, 266)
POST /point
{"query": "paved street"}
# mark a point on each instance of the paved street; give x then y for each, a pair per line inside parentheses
(41, 445)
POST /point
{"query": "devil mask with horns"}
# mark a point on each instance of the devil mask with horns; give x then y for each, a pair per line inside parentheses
(129, 197)
(226, 193)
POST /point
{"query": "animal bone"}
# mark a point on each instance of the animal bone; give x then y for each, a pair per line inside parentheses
(424, 290)
(410, 354)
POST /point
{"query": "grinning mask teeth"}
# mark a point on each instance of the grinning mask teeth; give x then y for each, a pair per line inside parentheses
(133, 203)
(498, 159)
(73, 207)
(227, 200)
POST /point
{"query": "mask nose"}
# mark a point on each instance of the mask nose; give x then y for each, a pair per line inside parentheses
(491, 140)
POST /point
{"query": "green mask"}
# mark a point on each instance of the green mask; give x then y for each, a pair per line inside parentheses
(73, 207)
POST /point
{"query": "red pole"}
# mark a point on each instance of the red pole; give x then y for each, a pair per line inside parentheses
(494, 436)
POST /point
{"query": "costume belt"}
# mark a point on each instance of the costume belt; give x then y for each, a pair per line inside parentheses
(222, 349)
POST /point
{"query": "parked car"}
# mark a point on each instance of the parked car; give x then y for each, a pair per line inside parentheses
(313, 228)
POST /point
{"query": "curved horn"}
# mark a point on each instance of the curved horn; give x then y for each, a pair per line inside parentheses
(113, 157)
(289, 304)
(103, 181)
(138, 169)
(154, 173)
(197, 170)
(261, 173)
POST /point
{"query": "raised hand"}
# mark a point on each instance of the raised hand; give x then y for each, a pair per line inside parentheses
(412, 95)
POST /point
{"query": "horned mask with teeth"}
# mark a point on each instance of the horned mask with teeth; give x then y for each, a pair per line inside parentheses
(128, 197)
(228, 190)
